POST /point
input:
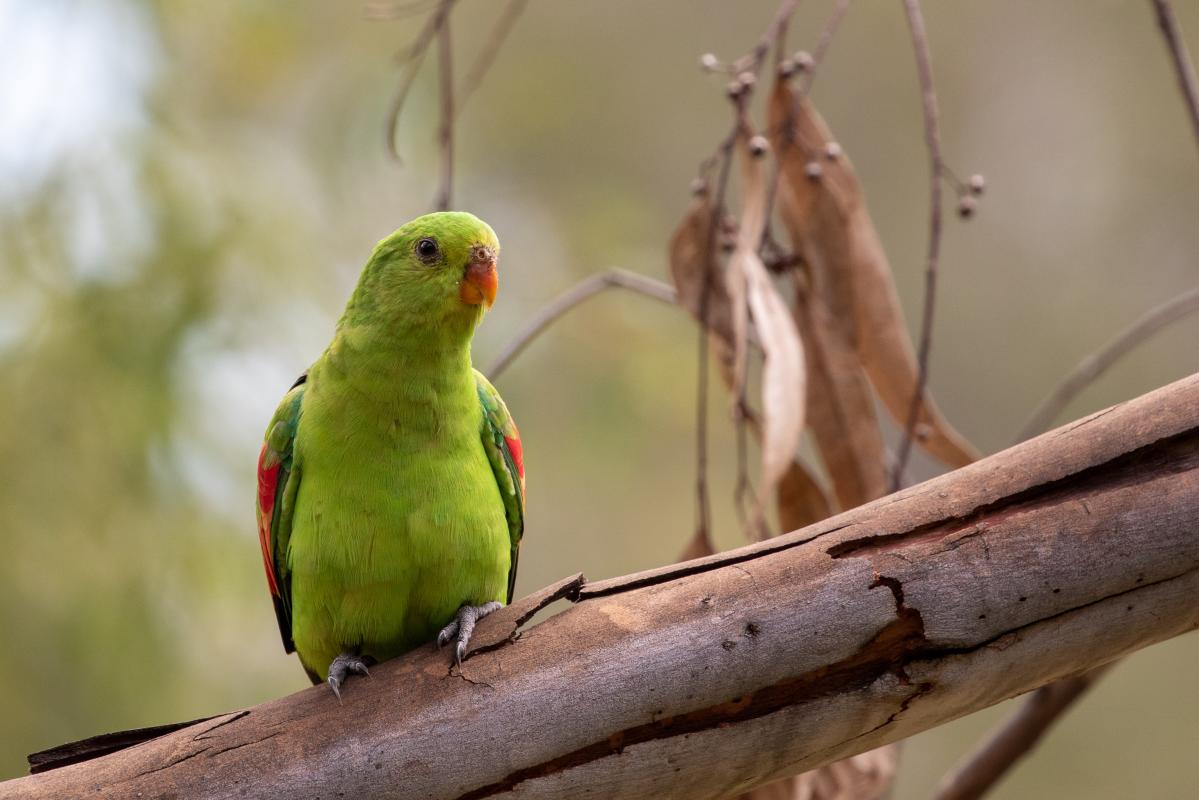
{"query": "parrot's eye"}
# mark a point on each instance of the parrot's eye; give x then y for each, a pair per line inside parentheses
(427, 249)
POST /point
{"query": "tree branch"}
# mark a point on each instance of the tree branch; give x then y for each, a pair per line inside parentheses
(445, 132)
(1050, 558)
(1017, 737)
(1183, 68)
(932, 139)
(822, 44)
(574, 296)
(490, 50)
(1095, 364)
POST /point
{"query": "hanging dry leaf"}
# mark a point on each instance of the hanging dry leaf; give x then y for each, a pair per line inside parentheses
(699, 546)
(866, 776)
(783, 382)
(737, 288)
(692, 266)
(802, 500)
(841, 412)
(825, 213)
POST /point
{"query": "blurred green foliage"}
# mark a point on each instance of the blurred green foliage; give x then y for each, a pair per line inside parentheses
(191, 189)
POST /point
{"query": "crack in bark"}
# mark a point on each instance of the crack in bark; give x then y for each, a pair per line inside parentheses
(104, 744)
(890, 650)
(168, 765)
(674, 572)
(567, 589)
(231, 718)
(216, 753)
(460, 674)
(1170, 454)
(883, 653)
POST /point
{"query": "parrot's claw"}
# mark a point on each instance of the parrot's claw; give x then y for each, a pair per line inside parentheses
(343, 666)
(462, 626)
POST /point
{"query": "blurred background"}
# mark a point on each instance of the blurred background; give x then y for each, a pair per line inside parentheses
(187, 193)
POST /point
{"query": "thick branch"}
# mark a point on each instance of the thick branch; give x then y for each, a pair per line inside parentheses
(703, 679)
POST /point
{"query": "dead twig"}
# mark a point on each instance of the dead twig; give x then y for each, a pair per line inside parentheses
(822, 44)
(1183, 67)
(932, 139)
(390, 11)
(983, 768)
(1095, 364)
(703, 503)
(752, 61)
(490, 50)
(412, 58)
(574, 296)
(445, 135)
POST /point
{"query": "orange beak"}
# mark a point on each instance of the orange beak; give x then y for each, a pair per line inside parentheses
(480, 283)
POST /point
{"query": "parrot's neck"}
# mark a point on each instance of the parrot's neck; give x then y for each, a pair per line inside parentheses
(403, 373)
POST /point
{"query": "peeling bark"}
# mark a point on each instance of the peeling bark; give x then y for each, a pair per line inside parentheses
(704, 679)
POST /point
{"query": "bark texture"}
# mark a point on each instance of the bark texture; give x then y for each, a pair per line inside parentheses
(706, 678)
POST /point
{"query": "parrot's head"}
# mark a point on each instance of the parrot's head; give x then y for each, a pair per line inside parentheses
(436, 274)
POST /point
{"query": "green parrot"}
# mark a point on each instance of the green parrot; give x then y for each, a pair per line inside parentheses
(391, 482)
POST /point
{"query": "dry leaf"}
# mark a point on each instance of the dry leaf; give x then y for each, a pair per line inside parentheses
(699, 546)
(866, 776)
(825, 213)
(783, 382)
(802, 500)
(841, 412)
(690, 262)
(737, 289)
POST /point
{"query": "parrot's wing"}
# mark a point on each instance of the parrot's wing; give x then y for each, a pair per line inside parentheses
(278, 481)
(502, 442)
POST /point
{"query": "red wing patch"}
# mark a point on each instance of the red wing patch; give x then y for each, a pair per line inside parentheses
(518, 457)
(268, 483)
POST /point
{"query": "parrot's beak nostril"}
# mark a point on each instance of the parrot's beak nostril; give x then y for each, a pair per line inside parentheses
(480, 283)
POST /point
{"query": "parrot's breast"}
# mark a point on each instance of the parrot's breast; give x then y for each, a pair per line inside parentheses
(398, 518)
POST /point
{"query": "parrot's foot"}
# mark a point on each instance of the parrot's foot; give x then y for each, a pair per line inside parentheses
(462, 626)
(343, 666)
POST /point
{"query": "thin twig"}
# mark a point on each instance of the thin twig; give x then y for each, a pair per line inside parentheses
(1183, 67)
(822, 44)
(742, 490)
(393, 11)
(490, 50)
(412, 58)
(445, 135)
(983, 768)
(752, 61)
(703, 503)
(932, 139)
(772, 185)
(577, 294)
(1095, 364)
